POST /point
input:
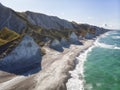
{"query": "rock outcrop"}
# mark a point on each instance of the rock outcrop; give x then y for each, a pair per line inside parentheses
(64, 42)
(24, 57)
(55, 44)
(74, 39)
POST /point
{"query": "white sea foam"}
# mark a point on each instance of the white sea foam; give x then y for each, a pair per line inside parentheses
(114, 33)
(116, 37)
(105, 34)
(103, 45)
(77, 80)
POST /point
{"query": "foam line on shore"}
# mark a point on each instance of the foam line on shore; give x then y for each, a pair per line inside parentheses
(77, 80)
(97, 43)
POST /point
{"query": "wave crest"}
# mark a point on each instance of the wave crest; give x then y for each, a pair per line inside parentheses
(103, 45)
(116, 37)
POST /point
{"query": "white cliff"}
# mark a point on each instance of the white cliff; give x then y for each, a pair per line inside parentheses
(10, 20)
(48, 22)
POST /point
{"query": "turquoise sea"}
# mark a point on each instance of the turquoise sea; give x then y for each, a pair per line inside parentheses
(102, 65)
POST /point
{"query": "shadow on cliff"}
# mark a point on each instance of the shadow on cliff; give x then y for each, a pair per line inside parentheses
(60, 48)
(57, 48)
(27, 67)
(77, 43)
(3, 48)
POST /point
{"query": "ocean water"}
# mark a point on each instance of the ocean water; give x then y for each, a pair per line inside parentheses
(98, 68)
(102, 65)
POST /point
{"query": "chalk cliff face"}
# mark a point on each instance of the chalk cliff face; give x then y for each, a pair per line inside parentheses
(9, 19)
(26, 55)
(49, 22)
(74, 39)
(55, 44)
(64, 42)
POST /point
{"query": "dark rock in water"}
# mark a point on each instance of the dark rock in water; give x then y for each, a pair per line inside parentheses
(74, 39)
(9, 19)
(24, 57)
(48, 22)
(65, 43)
(55, 44)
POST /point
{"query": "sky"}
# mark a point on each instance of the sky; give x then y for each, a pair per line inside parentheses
(94, 12)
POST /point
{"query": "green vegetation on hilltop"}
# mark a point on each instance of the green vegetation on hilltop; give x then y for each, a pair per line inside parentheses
(83, 29)
(7, 35)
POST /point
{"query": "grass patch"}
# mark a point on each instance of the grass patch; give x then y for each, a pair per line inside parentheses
(7, 35)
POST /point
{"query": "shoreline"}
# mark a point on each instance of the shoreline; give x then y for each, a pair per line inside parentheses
(60, 67)
(77, 74)
(74, 73)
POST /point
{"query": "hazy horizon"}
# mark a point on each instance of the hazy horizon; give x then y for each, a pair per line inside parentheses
(95, 12)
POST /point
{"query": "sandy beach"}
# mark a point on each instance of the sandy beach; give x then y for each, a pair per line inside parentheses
(54, 74)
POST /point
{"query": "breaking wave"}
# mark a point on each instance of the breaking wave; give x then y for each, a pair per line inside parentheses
(103, 45)
(77, 80)
(116, 37)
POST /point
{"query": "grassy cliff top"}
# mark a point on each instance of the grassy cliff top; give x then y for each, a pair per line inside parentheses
(7, 35)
